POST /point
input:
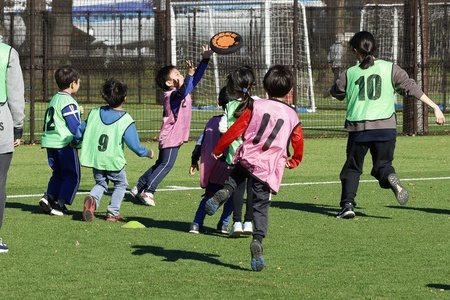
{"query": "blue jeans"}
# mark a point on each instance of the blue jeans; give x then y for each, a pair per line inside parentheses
(150, 180)
(102, 178)
(201, 213)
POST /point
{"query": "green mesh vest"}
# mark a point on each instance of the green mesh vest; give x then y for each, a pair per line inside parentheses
(56, 132)
(231, 108)
(370, 93)
(102, 146)
(4, 61)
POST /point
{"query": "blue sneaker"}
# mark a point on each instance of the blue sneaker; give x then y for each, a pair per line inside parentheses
(3, 247)
(256, 250)
(219, 198)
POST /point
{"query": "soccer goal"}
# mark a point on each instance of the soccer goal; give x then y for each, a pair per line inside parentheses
(267, 30)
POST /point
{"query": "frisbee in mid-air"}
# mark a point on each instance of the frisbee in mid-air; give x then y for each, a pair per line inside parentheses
(226, 42)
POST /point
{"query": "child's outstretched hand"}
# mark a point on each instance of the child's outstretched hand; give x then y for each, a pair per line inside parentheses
(191, 67)
(206, 51)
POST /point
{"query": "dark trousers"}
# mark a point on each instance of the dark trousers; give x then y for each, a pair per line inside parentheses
(382, 153)
(261, 199)
(65, 179)
(150, 180)
(200, 214)
(238, 201)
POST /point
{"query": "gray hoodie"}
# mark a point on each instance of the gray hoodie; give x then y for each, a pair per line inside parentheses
(12, 112)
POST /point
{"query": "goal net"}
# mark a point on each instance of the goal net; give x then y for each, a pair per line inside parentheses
(386, 22)
(267, 31)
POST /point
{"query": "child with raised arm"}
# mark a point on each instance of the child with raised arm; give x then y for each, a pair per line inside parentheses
(176, 123)
(103, 135)
(266, 130)
(213, 173)
(61, 122)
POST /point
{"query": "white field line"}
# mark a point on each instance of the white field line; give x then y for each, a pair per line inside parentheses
(187, 188)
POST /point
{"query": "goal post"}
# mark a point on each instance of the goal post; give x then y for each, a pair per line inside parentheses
(267, 30)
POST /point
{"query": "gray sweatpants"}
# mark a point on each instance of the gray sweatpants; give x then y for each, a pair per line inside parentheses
(5, 162)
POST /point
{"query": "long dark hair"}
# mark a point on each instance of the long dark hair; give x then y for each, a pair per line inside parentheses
(364, 43)
(240, 82)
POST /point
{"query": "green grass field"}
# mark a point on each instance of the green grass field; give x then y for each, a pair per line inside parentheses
(387, 252)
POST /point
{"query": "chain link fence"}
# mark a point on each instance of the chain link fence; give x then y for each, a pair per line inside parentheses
(130, 40)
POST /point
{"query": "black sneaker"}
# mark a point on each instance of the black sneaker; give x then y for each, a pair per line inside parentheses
(347, 212)
(197, 229)
(219, 198)
(400, 192)
(256, 251)
(46, 203)
(222, 228)
(3, 247)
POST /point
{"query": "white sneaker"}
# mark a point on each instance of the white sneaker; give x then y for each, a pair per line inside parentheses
(134, 191)
(3, 247)
(236, 230)
(148, 198)
(59, 210)
(248, 228)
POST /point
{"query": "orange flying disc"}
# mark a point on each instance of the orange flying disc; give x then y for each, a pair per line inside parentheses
(226, 42)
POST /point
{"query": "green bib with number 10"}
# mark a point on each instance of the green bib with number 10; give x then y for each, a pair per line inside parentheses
(370, 93)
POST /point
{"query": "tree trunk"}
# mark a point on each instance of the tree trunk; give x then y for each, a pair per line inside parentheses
(34, 42)
(162, 39)
(60, 31)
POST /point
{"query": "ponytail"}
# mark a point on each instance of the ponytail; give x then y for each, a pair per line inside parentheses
(367, 62)
(364, 43)
(247, 102)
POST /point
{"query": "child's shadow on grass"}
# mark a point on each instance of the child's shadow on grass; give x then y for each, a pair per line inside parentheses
(162, 224)
(36, 209)
(129, 198)
(439, 286)
(165, 224)
(318, 209)
(173, 255)
(173, 225)
(424, 209)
